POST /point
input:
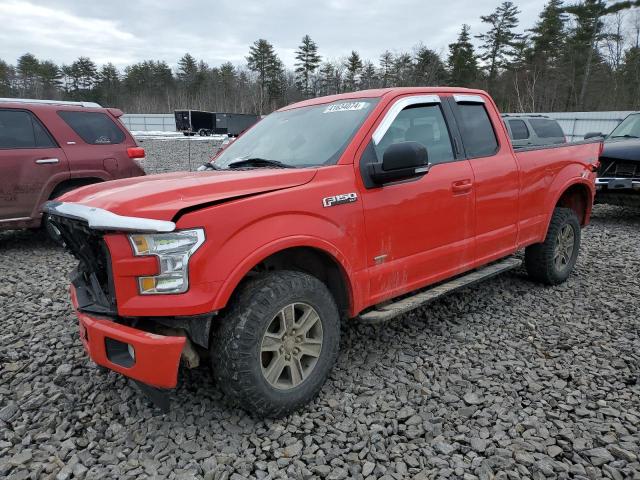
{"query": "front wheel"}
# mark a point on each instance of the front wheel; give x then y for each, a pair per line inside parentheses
(275, 347)
(552, 261)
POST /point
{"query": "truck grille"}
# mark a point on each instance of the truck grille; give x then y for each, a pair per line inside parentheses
(92, 278)
(611, 168)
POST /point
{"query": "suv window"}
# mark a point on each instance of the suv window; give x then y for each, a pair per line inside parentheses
(546, 128)
(95, 128)
(477, 132)
(21, 129)
(519, 130)
(424, 124)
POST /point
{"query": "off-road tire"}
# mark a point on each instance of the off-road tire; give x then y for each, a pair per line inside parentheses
(540, 258)
(236, 342)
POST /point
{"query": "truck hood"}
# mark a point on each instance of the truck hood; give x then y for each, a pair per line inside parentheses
(162, 197)
(622, 149)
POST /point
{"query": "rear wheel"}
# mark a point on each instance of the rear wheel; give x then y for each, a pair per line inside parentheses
(552, 261)
(276, 345)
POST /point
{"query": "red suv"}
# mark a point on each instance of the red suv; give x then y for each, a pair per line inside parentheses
(50, 147)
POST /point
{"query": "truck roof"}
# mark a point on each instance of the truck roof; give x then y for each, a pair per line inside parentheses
(382, 92)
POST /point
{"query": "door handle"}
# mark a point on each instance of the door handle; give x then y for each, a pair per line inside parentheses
(44, 161)
(462, 186)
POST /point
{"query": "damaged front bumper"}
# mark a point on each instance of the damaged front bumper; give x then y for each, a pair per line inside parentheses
(146, 357)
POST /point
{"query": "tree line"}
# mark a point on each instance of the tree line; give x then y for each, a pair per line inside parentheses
(577, 57)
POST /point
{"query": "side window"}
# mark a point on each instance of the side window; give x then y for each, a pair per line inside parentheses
(519, 130)
(20, 129)
(424, 124)
(477, 132)
(546, 128)
(95, 128)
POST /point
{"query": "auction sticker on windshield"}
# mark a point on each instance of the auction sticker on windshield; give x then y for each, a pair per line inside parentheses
(345, 107)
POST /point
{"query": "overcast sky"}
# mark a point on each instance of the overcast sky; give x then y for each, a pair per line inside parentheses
(124, 32)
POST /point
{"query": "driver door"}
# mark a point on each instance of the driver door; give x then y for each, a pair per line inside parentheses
(421, 230)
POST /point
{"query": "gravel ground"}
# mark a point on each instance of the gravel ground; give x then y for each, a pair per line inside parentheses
(507, 379)
(183, 153)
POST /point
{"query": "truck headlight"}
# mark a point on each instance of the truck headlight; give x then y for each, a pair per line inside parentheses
(173, 251)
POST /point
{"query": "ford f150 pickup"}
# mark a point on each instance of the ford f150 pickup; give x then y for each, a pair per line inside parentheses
(356, 206)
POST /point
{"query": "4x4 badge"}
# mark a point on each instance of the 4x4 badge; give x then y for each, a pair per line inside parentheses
(339, 199)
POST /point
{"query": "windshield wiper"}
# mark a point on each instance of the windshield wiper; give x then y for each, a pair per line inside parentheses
(258, 162)
(625, 136)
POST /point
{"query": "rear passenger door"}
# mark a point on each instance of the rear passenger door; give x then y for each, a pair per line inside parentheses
(30, 162)
(496, 176)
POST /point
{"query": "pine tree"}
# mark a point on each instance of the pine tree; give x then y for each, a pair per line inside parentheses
(369, 77)
(354, 65)
(187, 69)
(588, 32)
(49, 77)
(428, 68)
(7, 74)
(27, 71)
(109, 84)
(386, 69)
(548, 35)
(263, 60)
(462, 61)
(499, 41)
(85, 73)
(327, 74)
(631, 77)
(402, 70)
(307, 62)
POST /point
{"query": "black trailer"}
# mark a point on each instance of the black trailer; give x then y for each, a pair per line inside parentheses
(233, 124)
(191, 122)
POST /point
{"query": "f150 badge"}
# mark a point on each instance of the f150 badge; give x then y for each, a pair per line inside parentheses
(339, 199)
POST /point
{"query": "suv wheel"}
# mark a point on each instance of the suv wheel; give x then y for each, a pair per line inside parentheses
(552, 261)
(275, 347)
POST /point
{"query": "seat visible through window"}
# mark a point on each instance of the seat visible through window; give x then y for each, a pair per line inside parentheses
(423, 124)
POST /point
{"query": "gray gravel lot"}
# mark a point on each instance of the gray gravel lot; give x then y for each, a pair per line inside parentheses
(507, 379)
(183, 153)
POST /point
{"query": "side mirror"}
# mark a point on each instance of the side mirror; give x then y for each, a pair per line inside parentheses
(400, 161)
(593, 135)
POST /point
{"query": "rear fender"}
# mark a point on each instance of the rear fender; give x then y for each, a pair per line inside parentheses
(562, 184)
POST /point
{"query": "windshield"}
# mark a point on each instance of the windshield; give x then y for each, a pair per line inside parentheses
(302, 137)
(630, 127)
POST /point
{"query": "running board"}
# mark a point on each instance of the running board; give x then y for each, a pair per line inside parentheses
(391, 310)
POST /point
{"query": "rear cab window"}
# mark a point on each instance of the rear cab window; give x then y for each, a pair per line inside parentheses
(21, 129)
(546, 128)
(478, 135)
(95, 128)
(519, 130)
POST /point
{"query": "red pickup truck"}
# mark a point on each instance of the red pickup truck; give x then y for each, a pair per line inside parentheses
(363, 205)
